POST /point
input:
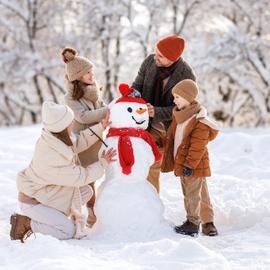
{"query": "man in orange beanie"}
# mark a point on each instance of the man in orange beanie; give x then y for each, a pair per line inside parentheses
(158, 74)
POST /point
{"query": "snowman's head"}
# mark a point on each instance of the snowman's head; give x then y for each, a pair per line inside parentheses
(130, 110)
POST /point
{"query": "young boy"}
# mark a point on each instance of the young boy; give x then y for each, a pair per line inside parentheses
(186, 154)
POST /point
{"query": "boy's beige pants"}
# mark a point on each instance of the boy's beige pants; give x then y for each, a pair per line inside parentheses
(196, 199)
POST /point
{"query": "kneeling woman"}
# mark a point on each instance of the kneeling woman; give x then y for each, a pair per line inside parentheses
(53, 188)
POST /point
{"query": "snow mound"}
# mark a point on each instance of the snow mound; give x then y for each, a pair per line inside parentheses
(240, 195)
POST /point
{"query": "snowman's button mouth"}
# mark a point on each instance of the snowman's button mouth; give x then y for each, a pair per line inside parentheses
(138, 123)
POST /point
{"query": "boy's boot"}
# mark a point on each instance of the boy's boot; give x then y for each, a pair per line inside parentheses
(209, 229)
(20, 227)
(187, 228)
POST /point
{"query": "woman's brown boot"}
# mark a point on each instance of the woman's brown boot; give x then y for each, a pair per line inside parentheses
(20, 227)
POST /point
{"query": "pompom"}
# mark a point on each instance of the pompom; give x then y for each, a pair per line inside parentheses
(68, 54)
(124, 89)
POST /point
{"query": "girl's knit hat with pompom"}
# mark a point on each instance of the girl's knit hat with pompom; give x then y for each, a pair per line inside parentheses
(76, 66)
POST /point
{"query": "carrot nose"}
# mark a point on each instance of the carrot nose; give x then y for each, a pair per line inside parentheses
(141, 111)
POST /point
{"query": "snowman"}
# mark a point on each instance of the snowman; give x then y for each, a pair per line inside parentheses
(127, 204)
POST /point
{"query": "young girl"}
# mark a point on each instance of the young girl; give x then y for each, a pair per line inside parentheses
(55, 186)
(186, 154)
(83, 98)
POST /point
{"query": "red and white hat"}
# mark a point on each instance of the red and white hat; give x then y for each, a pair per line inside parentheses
(129, 94)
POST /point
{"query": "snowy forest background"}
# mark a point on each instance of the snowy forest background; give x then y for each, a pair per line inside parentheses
(227, 44)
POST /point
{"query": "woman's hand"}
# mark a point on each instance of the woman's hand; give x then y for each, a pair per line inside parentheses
(109, 155)
(106, 122)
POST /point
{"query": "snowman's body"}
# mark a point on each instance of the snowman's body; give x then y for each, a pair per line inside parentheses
(127, 204)
(143, 156)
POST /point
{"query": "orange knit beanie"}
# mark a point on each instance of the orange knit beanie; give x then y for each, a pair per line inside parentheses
(171, 47)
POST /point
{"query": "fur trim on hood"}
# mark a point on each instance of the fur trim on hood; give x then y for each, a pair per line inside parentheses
(204, 118)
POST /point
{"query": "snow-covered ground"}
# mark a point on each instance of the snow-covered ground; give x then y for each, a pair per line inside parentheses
(240, 192)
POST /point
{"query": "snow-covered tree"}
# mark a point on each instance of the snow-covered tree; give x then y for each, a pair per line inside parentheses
(235, 64)
(227, 44)
(27, 57)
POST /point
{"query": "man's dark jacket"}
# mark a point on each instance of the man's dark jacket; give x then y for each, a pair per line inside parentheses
(145, 84)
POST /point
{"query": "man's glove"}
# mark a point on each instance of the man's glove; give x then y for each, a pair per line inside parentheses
(187, 171)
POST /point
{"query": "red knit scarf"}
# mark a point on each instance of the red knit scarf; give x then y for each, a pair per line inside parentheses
(125, 150)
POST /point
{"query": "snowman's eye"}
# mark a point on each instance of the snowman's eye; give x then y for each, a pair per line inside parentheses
(129, 109)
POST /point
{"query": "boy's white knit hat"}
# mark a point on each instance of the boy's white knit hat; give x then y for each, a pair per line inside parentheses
(56, 117)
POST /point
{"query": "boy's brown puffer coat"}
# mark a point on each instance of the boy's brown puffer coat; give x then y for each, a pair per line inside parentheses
(192, 152)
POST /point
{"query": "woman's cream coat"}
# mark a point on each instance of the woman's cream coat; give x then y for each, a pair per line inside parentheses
(55, 174)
